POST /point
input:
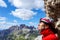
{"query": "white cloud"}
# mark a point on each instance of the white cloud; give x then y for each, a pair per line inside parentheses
(2, 18)
(5, 25)
(15, 21)
(2, 22)
(11, 23)
(22, 3)
(23, 14)
(31, 23)
(24, 7)
(28, 4)
(39, 4)
(2, 3)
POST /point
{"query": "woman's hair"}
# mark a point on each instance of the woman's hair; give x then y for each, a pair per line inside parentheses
(51, 26)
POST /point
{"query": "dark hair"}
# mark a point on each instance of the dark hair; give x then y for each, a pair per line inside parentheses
(51, 26)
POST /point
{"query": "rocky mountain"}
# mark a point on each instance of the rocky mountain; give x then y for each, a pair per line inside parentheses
(16, 31)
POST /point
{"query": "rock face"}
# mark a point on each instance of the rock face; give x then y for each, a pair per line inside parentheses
(52, 9)
(16, 31)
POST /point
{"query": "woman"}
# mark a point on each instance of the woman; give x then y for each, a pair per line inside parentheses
(47, 29)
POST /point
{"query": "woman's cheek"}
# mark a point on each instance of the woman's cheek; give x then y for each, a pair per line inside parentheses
(39, 28)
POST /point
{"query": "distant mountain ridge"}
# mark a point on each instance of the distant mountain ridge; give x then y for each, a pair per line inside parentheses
(16, 30)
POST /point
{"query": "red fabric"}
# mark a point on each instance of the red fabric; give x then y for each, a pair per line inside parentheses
(48, 35)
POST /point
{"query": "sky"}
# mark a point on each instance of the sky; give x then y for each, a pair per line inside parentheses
(16, 12)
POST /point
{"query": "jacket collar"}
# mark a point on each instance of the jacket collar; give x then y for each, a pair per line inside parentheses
(46, 32)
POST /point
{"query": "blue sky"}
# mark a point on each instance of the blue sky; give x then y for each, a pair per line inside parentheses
(15, 12)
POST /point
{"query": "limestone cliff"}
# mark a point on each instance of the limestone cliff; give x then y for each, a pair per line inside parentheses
(52, 9)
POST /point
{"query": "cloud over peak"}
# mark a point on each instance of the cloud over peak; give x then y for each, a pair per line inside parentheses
(23, 14)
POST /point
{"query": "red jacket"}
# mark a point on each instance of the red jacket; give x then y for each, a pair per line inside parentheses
(48, 35)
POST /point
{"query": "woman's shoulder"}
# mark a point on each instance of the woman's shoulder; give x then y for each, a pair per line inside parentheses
(51, 37)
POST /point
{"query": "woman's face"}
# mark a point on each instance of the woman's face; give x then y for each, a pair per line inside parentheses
(42, 26)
